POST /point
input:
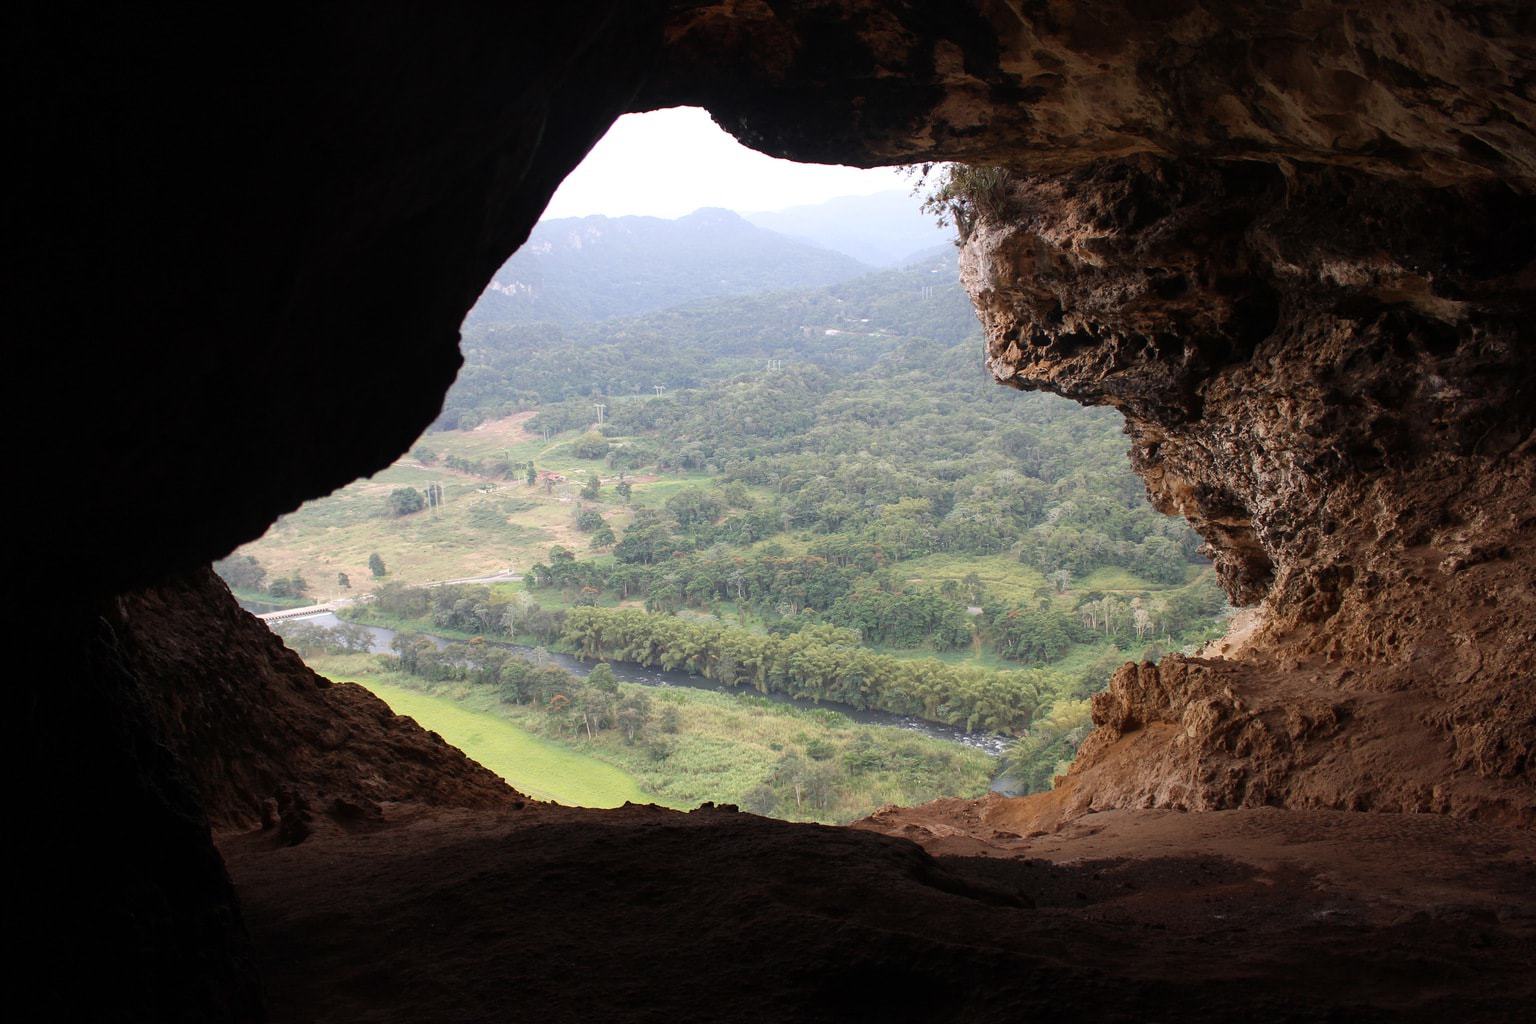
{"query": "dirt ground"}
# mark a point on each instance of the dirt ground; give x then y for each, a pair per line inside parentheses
(552, 914)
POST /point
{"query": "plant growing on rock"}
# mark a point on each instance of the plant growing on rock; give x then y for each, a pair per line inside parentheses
(964, 195)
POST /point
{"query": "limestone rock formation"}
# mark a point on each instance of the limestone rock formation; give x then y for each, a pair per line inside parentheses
(1285, 241)
(1420, 90)
(1291, 244)
(1290, 241)
(266, 742)
(1333, 377)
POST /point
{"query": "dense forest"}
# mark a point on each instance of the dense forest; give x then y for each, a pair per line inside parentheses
(808, 764)
(816, 492)
(510, 366)
(848, 469)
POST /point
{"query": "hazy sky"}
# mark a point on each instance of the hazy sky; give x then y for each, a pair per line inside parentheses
(671, 162)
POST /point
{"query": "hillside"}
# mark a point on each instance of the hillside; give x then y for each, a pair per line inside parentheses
(964, 554)
(588, 268)
(512, 367)
(883, 229)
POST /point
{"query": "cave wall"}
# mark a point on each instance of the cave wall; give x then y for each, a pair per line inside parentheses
(1282, 240)
(1333, 377)
(267, 743)
(242, 245)
(239, 247)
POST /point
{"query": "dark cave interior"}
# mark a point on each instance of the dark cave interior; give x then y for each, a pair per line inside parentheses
(1290, 243)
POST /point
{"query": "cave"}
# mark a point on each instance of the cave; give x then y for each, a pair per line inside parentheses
(1290, 243)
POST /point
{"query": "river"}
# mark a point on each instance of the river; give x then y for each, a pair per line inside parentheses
(630, 673)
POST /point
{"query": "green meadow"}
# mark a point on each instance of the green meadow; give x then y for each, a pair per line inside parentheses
(533, 765)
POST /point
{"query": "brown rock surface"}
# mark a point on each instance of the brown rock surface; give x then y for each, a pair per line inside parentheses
(1432, 92)
(1290, 241)
(267, 742)
(648, 915)
(1346, 410)
(1280, 239)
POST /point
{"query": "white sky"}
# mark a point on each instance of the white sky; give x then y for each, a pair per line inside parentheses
(668, 163)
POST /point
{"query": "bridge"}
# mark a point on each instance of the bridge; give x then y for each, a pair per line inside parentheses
(297, 613)
(283, 614)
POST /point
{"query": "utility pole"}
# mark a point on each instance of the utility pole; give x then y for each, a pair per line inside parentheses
(658, 388)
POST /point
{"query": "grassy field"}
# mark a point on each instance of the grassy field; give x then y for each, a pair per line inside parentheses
(531, 764)
(732, 748)
(506, 438)
(720, 747)
(1003, 576)
(483, 527)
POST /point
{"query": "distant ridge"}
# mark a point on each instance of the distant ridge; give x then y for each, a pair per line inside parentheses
(884, 230)
(590, 268)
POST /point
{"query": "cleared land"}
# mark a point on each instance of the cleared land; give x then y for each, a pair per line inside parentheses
(484, 525)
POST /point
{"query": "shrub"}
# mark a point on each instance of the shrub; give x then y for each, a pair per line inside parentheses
(402, 501)
(592, 445)
(964, 195)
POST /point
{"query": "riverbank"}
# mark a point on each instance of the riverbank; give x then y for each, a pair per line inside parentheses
(691, 746)
(626, 672)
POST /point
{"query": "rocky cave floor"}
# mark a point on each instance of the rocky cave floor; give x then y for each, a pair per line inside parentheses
(553, 914)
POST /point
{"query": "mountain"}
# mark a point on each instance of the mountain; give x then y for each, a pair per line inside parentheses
(590, 268)
(883, 229)
(509, 366)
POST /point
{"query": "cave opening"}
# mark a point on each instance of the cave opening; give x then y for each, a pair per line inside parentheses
(850, 600)
(1276, 240)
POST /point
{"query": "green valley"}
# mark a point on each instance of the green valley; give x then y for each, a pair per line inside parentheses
(816, 493)
(555, 737)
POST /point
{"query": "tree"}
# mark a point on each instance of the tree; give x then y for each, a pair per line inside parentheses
(376, 565)
(591, 446)
(602, 678)
(241, 572)
(402, 501)
(343, 582)
(292, 586)
(692, 507)
(634, 711)
(603, 537)
(623, 490)
(760, 799)
(591, 488)
(1142, 619)
(532, 476)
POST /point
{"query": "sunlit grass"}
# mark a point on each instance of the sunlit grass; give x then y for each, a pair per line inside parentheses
(531, 764)
(724, 747)
(483, 527)
(1113, 579)
(1003, 577)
